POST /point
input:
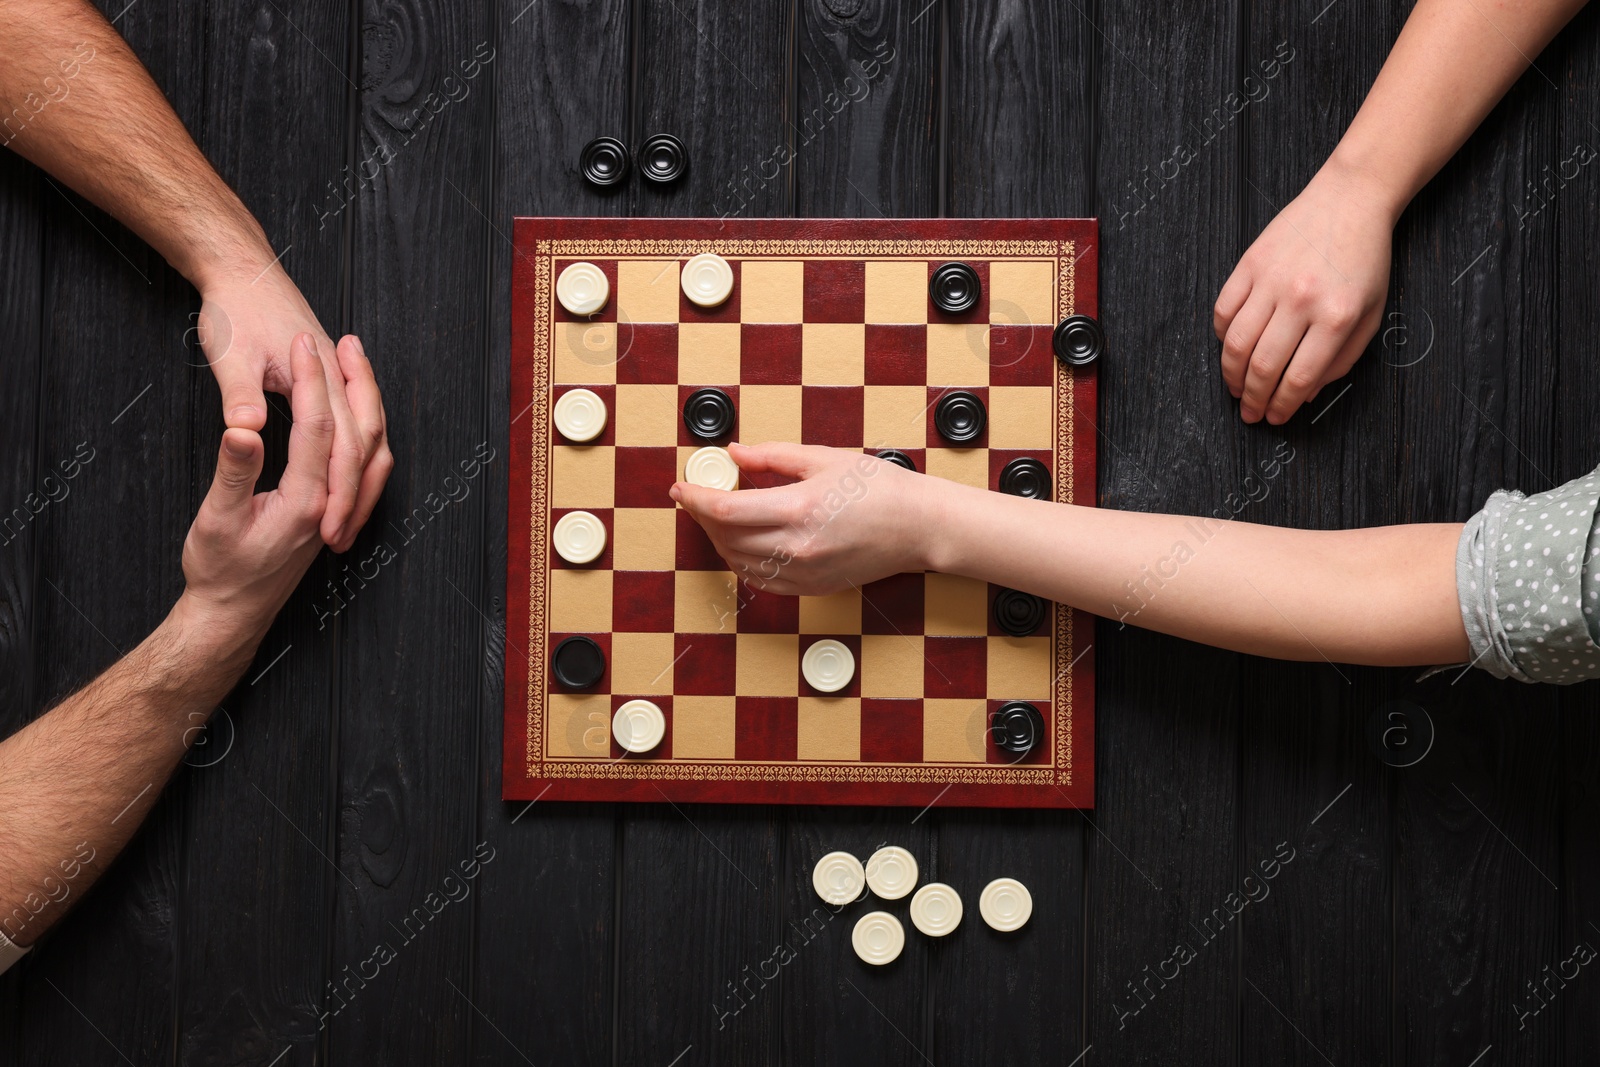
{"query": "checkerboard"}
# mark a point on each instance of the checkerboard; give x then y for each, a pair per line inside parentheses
(829, 337)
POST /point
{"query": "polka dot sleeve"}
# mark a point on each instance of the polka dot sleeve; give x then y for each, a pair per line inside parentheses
(1528, 577)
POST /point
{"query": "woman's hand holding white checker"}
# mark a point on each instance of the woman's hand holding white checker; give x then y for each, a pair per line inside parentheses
(846, 519)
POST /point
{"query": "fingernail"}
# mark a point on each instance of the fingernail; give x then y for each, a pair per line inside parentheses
(241, 415)
(1235, 393)
(361, 348)
(235, 449)
(675, 495)
(1249, 414)
(338, 535)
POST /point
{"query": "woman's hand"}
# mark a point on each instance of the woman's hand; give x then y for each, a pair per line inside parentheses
(1307, 296)
(847, 519)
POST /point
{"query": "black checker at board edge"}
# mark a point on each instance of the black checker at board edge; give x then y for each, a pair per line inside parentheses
(955, 288)
(1026, 476)
(959, 416)
(709, 414)
(897, 457)
(1017, 726)
(1078, 340)
(662, 158)
(604, 161)
(1019, 614)
(578, 662)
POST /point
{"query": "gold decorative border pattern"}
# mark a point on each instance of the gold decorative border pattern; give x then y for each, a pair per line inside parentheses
(630, 246)
(799, 772)
(538, 519)
(1067, 287)
(538, 509)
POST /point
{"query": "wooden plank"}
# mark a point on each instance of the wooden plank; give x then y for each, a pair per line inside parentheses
(21, 253)
(698, 896)
(993, 997)
(1573, 1005)
(1477, 841)
(1164, 853)
(1315, 853)
(866, 125)
(256, 795)
(410, 671)
(542, 974)
(106, 296)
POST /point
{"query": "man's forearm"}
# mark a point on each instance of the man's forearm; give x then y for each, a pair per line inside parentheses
(76, 782)
(1453, 61)
(77, 102)
(1382, 596)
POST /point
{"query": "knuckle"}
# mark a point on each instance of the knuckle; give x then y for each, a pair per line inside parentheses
(205, 529)
(1341, 314)
(1303, 289)
(373, 434)
(350, 454)
(317, 423)
(1299, 380)
(1236, 345)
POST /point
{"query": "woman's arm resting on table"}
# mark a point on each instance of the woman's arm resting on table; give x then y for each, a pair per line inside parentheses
(1380, 596)
(1308, 295)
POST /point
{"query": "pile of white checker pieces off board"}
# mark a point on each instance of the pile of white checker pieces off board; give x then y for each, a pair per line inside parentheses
(890, 873)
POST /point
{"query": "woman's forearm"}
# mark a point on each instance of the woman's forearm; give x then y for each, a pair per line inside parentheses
(1453, 61)
(1380, 596)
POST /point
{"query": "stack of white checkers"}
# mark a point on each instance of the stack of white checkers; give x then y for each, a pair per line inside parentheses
(891, 873)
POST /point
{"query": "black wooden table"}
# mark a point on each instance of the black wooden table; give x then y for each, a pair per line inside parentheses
(298, 895)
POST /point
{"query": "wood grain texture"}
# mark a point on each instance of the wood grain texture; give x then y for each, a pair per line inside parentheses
(866, 125)
(1476, 869)
(1316, 947)
(1574, 62)
(410, 667)
(549, 900)
(698, 884)
(1416, 908)
(21, 252)
(1027, 986)
(113, 309)
(1165, 853)
(255, 796)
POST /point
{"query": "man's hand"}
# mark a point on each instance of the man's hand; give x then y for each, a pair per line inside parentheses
(849, 519)
(246, 327)
(1306, 297)
(247, 551)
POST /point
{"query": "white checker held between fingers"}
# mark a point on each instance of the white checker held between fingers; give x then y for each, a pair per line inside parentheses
(583, 289)
(639, 725)
(707, 279)
(711, 467)
(580, 415)
(936, 909)
(580, 537)
(878, 938)
(838, 878)
(891, 872)
(828, 665)
(1005, 904)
